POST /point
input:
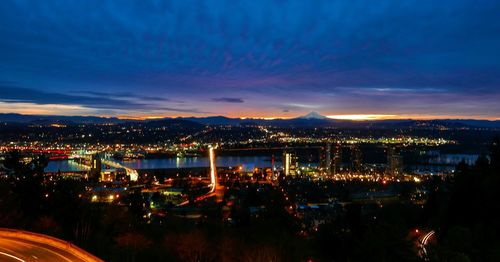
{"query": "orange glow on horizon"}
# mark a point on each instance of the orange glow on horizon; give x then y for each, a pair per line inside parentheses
(127, 117)
(371, 117)
(75, 110)
(352, 117)
(362, 117)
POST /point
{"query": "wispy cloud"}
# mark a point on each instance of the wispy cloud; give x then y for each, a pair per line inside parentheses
(259, 55)
(10, 93)
(228, 100)
(123, 95)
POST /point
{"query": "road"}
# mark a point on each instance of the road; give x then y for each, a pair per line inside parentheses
(423, 241)
(214, 187)
(17, 249)
(23, 246)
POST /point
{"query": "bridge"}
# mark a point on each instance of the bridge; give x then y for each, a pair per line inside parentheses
(132, 173)
(214, 188)
(277, 148)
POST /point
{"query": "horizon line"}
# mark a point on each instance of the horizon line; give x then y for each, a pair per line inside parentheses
(347, 117)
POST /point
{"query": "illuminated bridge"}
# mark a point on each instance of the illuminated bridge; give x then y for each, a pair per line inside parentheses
(132, 173)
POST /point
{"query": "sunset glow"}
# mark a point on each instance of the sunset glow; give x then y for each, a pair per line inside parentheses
(362, 117)
(231, 60)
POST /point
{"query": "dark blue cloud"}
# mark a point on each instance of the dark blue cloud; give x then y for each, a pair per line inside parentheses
(273, 53)
(228, 100)
(13, 94)
(124, 95)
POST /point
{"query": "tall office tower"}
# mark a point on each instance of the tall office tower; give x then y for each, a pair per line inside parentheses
(290, 163)
(394, 162)
(337, 158)
(274, 175)
(95, 167)
(328, 159)
(356, 158)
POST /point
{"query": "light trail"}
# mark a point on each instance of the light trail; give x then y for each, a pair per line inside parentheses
(19, 245)
(12, 256)
(426, 238)
(424, 241)
(213, 179)
(213, 175)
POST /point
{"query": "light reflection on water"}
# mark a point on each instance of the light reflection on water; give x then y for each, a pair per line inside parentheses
(248, 162)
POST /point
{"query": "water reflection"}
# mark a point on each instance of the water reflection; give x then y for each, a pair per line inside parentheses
(248, 162)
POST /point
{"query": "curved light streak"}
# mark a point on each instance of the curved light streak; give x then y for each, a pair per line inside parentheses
(12, 256)
(425, 241)
(213, 178)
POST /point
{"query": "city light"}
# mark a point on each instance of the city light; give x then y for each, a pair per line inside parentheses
(249, 130)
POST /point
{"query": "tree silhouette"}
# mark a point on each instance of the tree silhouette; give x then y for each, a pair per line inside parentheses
(470, 226)
(26, 172)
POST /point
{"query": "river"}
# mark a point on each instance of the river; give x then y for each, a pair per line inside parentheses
(248, 162)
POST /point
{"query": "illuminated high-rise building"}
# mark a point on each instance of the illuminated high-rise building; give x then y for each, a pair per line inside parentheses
(95, 167)
(328, 159)
(356, 158)
(394, 162)
(290, 164)
(337, 158)
(331, 158)
(274, 175)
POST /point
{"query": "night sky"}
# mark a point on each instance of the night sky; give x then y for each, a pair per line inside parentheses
(420, 59)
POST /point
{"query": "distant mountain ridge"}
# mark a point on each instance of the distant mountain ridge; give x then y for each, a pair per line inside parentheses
(19, 118)
(312, 119)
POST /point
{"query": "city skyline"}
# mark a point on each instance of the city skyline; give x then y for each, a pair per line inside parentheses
(261, 130)
(259, 59)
